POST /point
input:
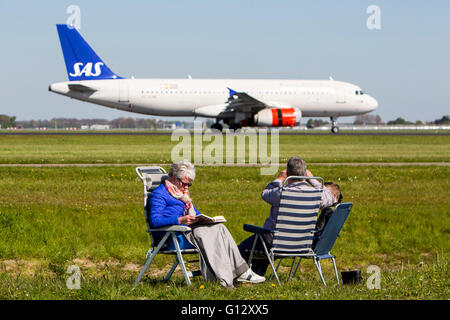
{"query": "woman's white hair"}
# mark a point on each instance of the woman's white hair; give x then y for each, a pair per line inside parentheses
(182, 169)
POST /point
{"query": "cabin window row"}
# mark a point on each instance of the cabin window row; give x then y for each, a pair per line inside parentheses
(224, 92)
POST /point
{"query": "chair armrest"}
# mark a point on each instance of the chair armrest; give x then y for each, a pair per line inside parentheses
(256, 229)
(171, 228)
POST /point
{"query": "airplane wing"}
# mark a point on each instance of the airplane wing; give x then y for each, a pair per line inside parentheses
(237, 103)
(241, 109)
(243, 102)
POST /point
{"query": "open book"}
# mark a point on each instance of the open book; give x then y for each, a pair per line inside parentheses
(204, 219)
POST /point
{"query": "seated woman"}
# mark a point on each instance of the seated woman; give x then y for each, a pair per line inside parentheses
(220, 259)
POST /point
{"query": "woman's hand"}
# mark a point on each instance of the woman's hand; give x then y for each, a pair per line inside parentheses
(187, 220)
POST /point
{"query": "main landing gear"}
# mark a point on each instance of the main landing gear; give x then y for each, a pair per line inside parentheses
(235, 126)
(217, 126)
(334, 127)
(232, 126)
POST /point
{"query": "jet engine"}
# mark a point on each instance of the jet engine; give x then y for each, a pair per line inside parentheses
(278, 117)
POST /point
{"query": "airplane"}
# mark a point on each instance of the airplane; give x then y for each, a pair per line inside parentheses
(233, 102)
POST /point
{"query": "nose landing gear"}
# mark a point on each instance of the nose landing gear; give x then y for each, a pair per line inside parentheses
(334, 127)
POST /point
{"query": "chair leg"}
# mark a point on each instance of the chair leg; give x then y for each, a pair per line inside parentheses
(174, 266)
(271, 262)
(147, 263)
(250, 258)
(150, 258)
(296, 267)
(291, 274)
(335, 269)
(276, 269)
(180, 260)
(319, 268)
(278, 265)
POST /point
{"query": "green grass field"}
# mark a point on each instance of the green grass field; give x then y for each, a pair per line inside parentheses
(157, 149)
(51, 218)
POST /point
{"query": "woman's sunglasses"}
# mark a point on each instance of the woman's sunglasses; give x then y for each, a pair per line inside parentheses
(184, 184)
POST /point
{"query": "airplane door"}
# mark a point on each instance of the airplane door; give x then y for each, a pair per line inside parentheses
(123, 91)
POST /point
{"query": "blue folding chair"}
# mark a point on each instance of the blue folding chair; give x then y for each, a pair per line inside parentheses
(327, 239)
(172, 242)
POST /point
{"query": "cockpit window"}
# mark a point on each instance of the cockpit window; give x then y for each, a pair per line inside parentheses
(359, 92)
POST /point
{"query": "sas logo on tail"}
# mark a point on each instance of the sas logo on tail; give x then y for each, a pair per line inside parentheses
(87, 69)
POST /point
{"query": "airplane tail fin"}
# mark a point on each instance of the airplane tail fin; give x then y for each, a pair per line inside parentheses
(82, 63)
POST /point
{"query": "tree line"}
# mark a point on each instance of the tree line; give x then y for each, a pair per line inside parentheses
(141, 123)
(59, 123)
(370, 119)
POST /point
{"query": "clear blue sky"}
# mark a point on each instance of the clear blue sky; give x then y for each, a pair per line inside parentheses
(405, 65)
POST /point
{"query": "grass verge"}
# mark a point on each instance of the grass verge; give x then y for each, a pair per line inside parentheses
(92, 217)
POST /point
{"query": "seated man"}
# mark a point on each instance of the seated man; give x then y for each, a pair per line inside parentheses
(296, 166)
(325, 213)
(171, 204)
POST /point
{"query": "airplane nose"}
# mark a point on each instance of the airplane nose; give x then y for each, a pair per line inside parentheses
(372, 103)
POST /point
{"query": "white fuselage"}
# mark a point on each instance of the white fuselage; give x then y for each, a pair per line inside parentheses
(207, 97)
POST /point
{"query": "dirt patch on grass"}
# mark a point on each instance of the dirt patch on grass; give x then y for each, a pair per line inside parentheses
(132, 267)
(20, 266)
(31, 267)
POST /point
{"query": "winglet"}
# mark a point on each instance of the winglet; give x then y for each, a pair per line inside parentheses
(231, 92)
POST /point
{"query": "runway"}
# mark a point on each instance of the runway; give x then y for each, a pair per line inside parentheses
(281, 133)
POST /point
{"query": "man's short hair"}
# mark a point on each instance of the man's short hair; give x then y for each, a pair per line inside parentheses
(296, 166)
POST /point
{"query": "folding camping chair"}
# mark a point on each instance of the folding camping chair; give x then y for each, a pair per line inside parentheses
(327, 240)
(169, 244)
(294, 230)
